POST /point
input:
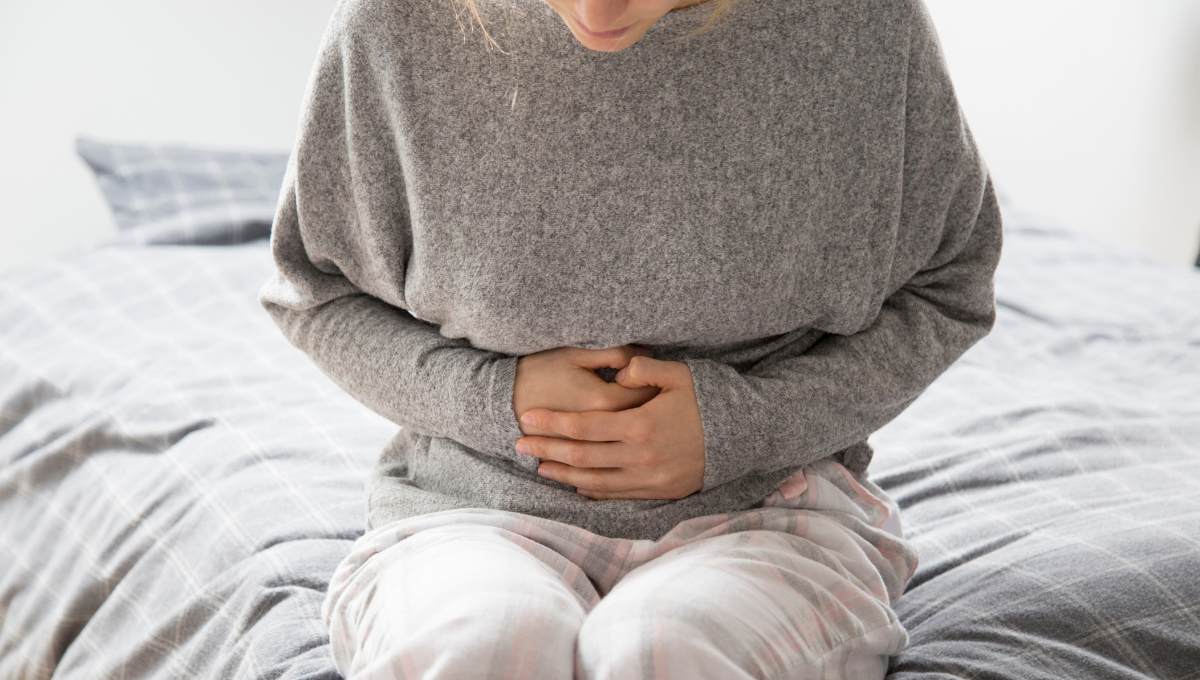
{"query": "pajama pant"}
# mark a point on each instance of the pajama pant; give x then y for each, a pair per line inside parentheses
(797, 588)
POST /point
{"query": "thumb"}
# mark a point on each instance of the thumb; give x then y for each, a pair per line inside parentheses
(644, 371)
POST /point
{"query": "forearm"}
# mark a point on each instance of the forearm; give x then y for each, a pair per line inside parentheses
(406, 371)
(792, 411)
(803, 403)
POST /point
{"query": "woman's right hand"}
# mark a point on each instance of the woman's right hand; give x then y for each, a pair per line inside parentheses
(564, 379)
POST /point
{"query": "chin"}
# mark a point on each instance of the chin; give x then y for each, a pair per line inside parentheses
(601, 45)
(603, 48)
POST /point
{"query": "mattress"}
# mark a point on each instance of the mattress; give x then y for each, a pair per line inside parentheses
(177, 483)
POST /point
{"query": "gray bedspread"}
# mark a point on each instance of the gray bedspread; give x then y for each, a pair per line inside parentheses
(177, 483)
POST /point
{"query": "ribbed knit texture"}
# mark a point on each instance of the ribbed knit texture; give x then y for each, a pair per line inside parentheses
(791, 204)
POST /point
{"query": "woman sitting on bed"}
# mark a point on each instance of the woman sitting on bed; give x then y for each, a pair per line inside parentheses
(637, 298)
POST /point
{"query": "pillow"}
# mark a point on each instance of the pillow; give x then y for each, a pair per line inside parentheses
(182, 195)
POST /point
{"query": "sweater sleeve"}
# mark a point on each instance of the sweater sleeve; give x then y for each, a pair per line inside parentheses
(808, 400)
(339, 298)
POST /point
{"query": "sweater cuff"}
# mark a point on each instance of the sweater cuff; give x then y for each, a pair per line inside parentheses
(504, 431)
(728, 446)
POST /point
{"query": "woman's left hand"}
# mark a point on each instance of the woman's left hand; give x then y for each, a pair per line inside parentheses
(653, 451)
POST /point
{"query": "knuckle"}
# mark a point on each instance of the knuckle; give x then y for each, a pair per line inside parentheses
(645, 459)
(613, 355)
(549, 471)
(556, 423)
(640, 431)
(599, 401)
(663, 480)
(574, 455)
(599, 484)
(575, 429)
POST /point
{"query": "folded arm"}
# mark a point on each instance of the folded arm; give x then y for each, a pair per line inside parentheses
(791, 409)
(397, 365)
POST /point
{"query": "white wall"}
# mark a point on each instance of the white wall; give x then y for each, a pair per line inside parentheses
(1088, 110)
(214, 72)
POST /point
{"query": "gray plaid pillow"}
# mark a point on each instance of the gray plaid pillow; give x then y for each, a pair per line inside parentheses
(181, 195)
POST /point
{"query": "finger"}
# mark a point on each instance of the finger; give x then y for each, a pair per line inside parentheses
(619, 398)
(594, 426)
(639, 491)
(633, 494)
(591, 480)
(641, 351)
(575, 453)
(534, 432)
(643, 371)
(610, 357)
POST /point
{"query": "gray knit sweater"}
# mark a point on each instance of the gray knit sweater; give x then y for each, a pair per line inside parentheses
(790, 204)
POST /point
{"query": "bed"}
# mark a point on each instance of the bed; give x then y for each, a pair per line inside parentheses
(177, 483)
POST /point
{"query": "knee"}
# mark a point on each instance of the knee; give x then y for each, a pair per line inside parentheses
(459, 604)
(658, 632)
(699, 640)
(728, 612)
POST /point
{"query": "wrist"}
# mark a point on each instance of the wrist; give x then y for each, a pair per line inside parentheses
(505, 430)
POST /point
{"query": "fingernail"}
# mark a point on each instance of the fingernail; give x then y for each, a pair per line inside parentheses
(523, 448)
(585, 494)
(527, 419)
(542, 471)
(620, 374)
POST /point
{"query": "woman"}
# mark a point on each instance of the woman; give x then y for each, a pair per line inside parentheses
(775, 234)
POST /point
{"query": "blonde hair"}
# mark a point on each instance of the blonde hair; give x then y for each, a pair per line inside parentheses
(720, 9)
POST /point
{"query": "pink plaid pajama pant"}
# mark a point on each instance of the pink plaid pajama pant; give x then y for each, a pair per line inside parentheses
(798, 588)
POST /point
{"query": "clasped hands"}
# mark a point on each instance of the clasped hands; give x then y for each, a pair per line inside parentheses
(638, 437)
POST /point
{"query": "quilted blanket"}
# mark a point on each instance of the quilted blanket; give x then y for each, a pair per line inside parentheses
(177, 483)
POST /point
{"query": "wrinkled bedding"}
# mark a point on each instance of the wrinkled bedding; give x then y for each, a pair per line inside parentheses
(1051, 479)
(177, 483)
